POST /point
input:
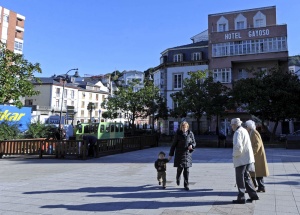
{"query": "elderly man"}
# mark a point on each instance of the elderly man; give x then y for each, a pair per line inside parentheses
(243, 159)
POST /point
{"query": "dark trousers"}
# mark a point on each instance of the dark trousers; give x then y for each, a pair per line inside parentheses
(186, 172)
(259, 182)
(244, 182)
(162, 176)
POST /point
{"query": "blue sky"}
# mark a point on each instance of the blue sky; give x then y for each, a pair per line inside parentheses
(100, 36)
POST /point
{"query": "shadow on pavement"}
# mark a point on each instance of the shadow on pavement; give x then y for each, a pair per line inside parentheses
(117, 206)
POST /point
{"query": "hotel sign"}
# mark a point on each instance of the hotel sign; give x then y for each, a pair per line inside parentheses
(251, 33)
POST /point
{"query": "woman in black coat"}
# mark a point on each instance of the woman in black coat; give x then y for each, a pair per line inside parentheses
(183, 145)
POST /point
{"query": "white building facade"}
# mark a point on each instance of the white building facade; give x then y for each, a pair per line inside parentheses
(176, 64)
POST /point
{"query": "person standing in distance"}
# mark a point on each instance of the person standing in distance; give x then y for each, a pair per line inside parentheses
(183, 145)
(243, 158)
(261, 165)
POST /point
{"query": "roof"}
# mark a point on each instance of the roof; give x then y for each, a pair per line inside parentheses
(242, 11)
(188, 46)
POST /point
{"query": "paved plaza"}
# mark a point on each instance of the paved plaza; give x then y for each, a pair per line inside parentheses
(126, 184)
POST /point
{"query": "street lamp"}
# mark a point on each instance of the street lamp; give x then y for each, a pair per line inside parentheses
(62, 100)
(152, 79)
(99, 115)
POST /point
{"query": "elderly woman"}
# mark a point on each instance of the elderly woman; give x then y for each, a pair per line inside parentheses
(243, 158)
(183, 145)
(261, 165)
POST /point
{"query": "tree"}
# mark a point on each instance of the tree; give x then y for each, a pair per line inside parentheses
(200, 95)
(134, 103)
(216, 99)
(191, 98)
(272, 96)
(16, 74)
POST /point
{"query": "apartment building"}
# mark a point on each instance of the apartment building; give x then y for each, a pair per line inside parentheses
(175, 65)
(12, 30)
(58, 95)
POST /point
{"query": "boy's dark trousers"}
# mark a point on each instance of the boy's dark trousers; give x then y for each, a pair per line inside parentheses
(162, 175)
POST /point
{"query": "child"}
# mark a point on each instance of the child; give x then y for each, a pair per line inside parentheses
(161, 167)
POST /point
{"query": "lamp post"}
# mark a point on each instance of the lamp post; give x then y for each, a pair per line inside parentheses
(152, 79)
(99, 115)
(62, 100)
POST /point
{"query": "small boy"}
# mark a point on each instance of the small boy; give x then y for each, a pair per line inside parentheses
(161, 167)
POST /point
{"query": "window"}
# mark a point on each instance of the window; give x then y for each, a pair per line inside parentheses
(240, 25)
(82, 112)
(18, 46)
(240, 22)
(57, 103)
(244, 47)
(90, 95)
(5, 18)
(65, 103)
(197, 56)
(28, 102)
(101, 128)
(177, 84)
(112, 128)
(222, 24)
(57, 92)
(242, 74)
(222, 27)
(263, 71)
(175, 105)
(65, 93)
(97, 97)
(259, 20)
(72, 103)
(177, 58)
(72, 94)
(259, 23)
(222, 75)
(82, 104)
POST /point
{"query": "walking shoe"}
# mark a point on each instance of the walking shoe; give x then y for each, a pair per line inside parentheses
(261, 190)
(177, 182)
(159, 183)
(253, 199)
(239, 201)
(186, 188)
(164, 187)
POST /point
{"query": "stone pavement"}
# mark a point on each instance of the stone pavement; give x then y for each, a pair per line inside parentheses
(126, 184)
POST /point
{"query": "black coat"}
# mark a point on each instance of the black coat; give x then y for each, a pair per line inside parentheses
(181, 142)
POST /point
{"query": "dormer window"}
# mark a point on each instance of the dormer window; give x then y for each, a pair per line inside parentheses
(240, 22)
(259, 20)
(178, 58)
(222, 24)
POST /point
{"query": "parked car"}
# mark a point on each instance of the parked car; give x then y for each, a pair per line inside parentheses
(294, 136)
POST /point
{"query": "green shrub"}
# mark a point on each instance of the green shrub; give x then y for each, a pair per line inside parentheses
(8, 130)
(38, 130)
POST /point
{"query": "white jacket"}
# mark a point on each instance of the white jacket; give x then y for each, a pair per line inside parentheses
(242, 149)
